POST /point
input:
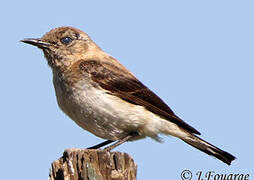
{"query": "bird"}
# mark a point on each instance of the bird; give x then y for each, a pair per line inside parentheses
(103, 97)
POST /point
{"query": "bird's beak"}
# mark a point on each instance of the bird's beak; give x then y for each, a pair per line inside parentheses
(37, 42)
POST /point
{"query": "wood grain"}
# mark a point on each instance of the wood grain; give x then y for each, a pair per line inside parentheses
(83, 164)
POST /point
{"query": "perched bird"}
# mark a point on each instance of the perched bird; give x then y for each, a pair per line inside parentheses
(106, 99)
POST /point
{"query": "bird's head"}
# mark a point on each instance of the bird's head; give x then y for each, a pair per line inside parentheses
(63, 45)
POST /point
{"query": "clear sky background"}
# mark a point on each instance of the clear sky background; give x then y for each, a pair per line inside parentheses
(196, 55)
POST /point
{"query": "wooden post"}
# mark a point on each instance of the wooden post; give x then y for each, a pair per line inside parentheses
(83, 164)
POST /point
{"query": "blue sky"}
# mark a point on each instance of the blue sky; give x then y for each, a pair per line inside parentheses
(196, 55)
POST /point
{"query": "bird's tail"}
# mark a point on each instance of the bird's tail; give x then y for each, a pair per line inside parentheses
(208, 148)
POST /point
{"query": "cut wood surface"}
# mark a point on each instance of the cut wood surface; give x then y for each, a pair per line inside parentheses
(83, 164)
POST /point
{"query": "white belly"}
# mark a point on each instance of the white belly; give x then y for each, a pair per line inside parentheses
(102, 114)
(108, 116)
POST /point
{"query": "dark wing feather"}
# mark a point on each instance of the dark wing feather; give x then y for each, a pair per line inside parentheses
(129, 88)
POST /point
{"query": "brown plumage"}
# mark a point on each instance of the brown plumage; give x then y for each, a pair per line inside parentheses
(129, 88)
(106, 99)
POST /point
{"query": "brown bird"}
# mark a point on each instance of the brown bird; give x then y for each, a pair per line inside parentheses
(106, 99)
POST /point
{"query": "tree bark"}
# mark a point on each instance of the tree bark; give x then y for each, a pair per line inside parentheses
(83, 164)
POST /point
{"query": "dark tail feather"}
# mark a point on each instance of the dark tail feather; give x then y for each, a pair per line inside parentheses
(208, 148)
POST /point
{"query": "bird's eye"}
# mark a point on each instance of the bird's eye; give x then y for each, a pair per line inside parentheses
(66, 40)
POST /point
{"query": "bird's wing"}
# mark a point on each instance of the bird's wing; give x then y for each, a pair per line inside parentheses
(121, 83)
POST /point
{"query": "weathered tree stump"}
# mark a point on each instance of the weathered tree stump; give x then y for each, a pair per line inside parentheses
(83, 164)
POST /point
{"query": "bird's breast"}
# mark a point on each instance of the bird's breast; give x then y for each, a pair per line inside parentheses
(90, 108)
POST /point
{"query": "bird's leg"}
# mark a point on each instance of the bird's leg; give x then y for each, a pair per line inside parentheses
(121, 141)
(101, 144)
